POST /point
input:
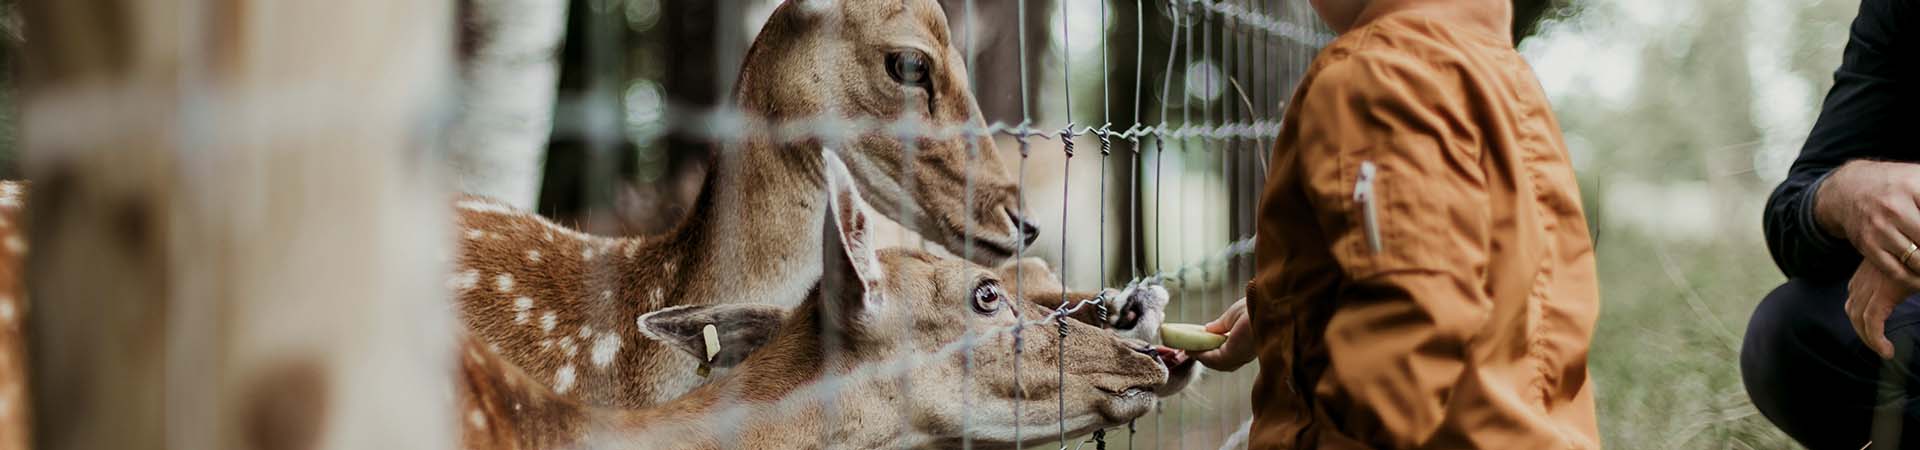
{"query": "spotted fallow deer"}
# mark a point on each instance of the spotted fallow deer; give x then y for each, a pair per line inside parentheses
(13, 369)
(828, 376)
(562, 305)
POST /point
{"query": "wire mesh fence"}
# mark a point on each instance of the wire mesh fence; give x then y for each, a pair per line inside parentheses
(1139, 144)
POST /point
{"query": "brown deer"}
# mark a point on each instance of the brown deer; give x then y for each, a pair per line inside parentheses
(563, 305)
(827, 376)
(13, 303)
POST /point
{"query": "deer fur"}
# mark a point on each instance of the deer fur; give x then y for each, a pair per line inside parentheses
(820, 380)
(13, 303)
(563, 305)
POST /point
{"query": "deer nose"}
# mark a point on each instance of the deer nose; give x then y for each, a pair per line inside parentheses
(1130, 315)
(1028, 231)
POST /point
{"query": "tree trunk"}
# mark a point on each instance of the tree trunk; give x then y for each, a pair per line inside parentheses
(231, 242)
(499, 137)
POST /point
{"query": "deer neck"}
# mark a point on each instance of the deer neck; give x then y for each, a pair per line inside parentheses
(783, 397)
(765, 195)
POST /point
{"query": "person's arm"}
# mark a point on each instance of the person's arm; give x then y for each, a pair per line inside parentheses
(1399, 329)
(1871, 100)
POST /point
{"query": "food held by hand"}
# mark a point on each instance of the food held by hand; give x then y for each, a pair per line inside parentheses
(1190, 337)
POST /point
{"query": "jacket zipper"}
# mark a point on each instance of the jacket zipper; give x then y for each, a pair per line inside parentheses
(1364, 195)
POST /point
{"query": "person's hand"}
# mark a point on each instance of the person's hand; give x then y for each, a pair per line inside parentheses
(1239, 348)
(1871, 296)
(1875, 205)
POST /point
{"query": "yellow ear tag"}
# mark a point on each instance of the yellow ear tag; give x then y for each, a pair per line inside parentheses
(712, 335)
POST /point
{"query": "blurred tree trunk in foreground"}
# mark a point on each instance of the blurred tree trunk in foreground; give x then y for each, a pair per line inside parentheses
(507, 64)
(231, 244)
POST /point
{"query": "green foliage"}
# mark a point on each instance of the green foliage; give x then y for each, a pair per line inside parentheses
(1667, 101)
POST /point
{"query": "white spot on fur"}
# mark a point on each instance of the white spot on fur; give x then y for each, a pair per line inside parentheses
(533, 255)
(604, 349)
(815, 6)
(568, 347)
(464, 281)
(478, 420)
(632, 246)
(659, 296)
(586, 252)
(485, 207)
(547, 235)
(669, 267)
(503, 282)
(9, 194)
(476, 234)
(563, 380)
(547, 322)
(546, 344)
(585, 331)
(521, 306)
(606, 295)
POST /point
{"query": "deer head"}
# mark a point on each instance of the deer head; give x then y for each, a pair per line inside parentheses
(884, 62)
(874, 308)
(900, 302)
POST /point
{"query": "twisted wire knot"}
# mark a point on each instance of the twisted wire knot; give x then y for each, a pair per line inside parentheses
(1106, 142)
(1060, 319)
(1066, 139)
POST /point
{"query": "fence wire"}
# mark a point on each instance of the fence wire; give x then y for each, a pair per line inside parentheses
(1202, 154)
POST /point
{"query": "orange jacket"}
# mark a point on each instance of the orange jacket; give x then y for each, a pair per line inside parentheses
(1425, 274)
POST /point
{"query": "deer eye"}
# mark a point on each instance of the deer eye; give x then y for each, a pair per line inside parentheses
(987, 297)
(910, 67)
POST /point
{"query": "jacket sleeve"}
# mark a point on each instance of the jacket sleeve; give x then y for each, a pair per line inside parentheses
(1873, 94)
(1398, 333)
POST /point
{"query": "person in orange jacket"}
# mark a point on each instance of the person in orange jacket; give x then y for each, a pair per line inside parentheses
(1425, 278)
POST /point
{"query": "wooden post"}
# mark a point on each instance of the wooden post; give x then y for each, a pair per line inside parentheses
(236, 240)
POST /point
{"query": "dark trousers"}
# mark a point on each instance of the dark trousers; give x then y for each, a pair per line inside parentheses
(1811, 375)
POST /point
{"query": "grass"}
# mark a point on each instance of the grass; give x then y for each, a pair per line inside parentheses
(1665, 357)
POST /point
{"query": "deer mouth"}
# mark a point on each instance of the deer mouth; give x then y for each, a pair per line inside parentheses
(992, 249)
(1131, 391)
(1180, 370)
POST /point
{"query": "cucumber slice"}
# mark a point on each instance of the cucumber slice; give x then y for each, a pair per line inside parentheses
(1189, 337)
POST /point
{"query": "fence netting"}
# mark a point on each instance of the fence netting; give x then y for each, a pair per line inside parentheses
(1138, 131)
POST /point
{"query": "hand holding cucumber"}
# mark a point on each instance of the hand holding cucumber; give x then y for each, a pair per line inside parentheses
(1220, 353)
(1190, 337)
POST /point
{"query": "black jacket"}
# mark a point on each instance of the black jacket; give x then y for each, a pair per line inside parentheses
(1871, 112)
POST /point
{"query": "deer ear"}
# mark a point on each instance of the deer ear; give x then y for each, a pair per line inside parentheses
(850, 269)
(740, 328)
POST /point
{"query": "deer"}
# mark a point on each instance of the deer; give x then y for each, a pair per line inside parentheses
(827, 374)
(13, 304)
(563, 305)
